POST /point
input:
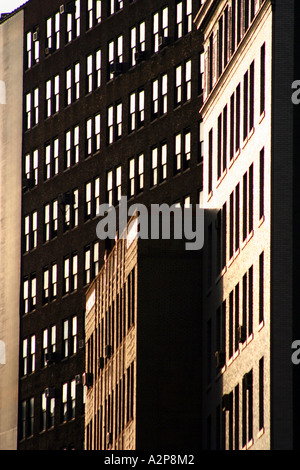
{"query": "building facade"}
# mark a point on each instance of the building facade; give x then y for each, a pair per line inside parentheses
(11, 93)
(110, 94)
(249, 191)
(143, 389)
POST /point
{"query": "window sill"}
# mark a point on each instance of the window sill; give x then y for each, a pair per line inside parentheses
(247, 239)
(249, 444)
(262, 116)
(221, 177)
(260, 432)
(210, 195)
(250, 338)
(261, 325)
(247, 138)
(261, 221)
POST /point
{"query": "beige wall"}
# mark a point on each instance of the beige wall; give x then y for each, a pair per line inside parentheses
(258, 344)
(11, 79)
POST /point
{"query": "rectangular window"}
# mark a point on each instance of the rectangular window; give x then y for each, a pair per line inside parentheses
(137, 43)
(30, 428)
(261, 183)
(132, 112)
(110, 124)
(224, 235)
(155, 99)
(236, 416)
(98, 68)
(201, 73)
(187, 149)
(164, 94)
(88, 200)
(119, 117)
(231, 325)
(251, 98)
(237, 315)
(66, 286)
(250, 199)
(154, 167)
(237, 117)
(245, 206)
(28, 110)
(89, 137)
(250, 301)
(97, 130)
(210, 63)
(233, 25)
(232, 127)
(262, 77)
(76, 145)
(237, 216)
(231, 225)
(219, 146)
(164, 152)
(200, 142)
(160, 29)
(131, 177)
(179, 20)
(68, 149)
(28, 50)
(118, 179)
(220, 46)
(224, 139)
(87, 266)
(49, 33)
(64, 402)
(246, 98)
(77, 81)
(210, 160)
(57, 30)
(109, 187)
(178, 85)
(68, 87)
(261, 393)
(89, 73)
(261, 287)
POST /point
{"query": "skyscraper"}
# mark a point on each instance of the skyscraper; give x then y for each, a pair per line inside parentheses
(250, 193)
(111, 92)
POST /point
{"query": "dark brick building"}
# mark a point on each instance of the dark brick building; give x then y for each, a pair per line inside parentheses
(112, 92)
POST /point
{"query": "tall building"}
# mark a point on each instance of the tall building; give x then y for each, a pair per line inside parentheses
(250, 195)
(110, 97)
(143, 344)
(11, 94)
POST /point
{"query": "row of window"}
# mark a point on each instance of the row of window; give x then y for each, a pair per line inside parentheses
(235, 123)
(39, 414)
(68, 18)
(235, 317)
(69, 202)
(182, 156)
(235, 221)
(136, 105)
(49, 353)
(116, 321)
(233, 24)
(113, 415)
(238, 411)
(70, 263)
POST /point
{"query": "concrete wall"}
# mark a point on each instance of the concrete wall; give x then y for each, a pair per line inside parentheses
(257, 344)
(11, 79)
